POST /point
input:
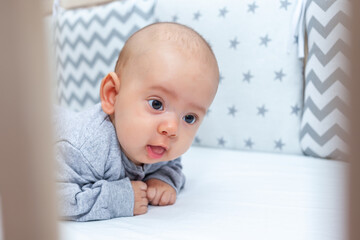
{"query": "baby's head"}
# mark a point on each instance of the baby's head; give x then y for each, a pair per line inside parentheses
(165, 79)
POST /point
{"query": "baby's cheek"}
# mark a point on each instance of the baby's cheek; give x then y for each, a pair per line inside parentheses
(183, 146)
(190, 136)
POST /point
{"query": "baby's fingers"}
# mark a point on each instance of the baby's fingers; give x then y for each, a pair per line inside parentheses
(165, 198)
(151, 193)
(172, 199)
(144, 201)
(156, 200)
(168, 198)
(141, 210)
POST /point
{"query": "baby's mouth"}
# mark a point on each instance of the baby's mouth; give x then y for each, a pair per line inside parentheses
(155, 152)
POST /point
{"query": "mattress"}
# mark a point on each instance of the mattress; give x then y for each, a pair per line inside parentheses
(239, 195)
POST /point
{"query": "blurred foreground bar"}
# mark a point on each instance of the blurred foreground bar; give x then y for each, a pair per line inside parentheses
(26, 168)
(354, 206)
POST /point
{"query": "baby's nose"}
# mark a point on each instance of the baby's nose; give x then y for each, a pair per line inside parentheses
(169, 126)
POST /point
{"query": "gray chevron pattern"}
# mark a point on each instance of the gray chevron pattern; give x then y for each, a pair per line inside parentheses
(96, 38)
(323, 85)
(339, 47)
(80, 100)
(324, 31)
(103, 22)
(323, 138)
(83, 59)
(324, 126)
(88, 42)
(324, 5)
(335, 104)
(79, 81)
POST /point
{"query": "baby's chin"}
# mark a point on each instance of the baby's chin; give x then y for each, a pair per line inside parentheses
(153, 161)
(149, 160)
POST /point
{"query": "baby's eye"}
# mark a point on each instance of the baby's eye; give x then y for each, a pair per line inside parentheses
(190, 119)
(156, 104)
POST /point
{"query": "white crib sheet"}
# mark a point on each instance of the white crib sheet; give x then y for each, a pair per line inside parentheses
(239, 195)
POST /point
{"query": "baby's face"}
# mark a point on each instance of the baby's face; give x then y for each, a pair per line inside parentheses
(163, 98)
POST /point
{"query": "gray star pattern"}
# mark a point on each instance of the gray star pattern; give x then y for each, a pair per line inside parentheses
(232, 111)
(279, 75)
(249, 143)
(197, 15)
(221, 77)
(223, 12)
(262, 110)
(221, 141)
(208, 112)
(296, 39)
(252, 7)
(264, 40)
(247, 76)
(284, 4)
(175, 18)
(197, 140)
(279, 144)
(233, 43)
(295, 110)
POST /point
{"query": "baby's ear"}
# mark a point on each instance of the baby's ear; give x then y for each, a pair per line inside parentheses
(108, 90)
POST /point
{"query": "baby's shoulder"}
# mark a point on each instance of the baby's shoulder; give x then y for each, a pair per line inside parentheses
(76, 127)
(92, 134)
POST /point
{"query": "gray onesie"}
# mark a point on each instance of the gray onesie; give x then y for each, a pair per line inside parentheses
(94, 174)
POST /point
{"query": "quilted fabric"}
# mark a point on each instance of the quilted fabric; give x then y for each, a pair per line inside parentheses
(88, 42)
(259, 102)
(324, 126)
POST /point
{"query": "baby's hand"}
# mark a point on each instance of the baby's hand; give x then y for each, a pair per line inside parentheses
(160, 193)
(141, 202)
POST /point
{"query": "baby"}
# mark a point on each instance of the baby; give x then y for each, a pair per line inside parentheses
(123, 154)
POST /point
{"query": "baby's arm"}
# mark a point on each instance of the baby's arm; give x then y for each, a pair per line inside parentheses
(165, 183)
(84, 194)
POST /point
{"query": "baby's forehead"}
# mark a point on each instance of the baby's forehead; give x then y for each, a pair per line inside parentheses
(167, 37)
(171, 32)
(177, 35)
